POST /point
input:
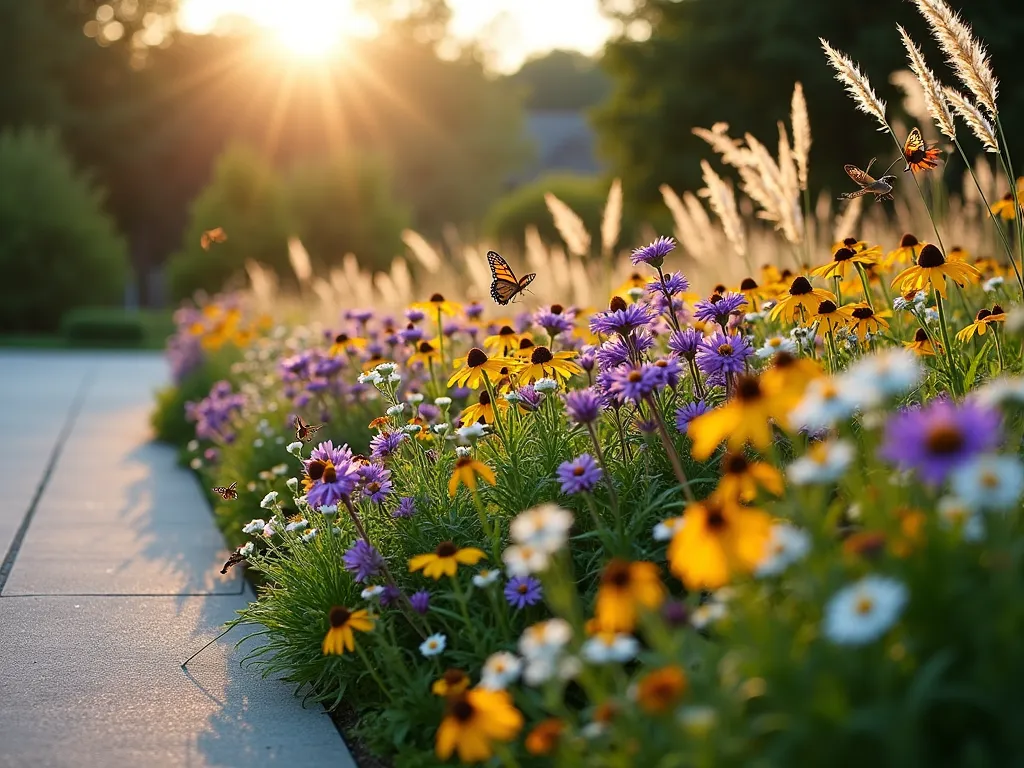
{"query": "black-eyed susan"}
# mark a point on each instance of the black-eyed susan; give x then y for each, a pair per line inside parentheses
(745, 418)
(625, 588)
(472, 369)
(445, 560)
(482, 411)
(906, 253)
(958, 253)
(844, 258)
(922, 345)
(453, 682)
(1004, 207)
(635, 282)
(786, 379)
(345, 344)
(982, 320)
(545, 364)
(474, 721)
(932, 269)
(660, 690)
(525, 349)
(505, 342)
(752, 291)
(801, 299)
(863, 320)
(831, 316)
(718, 538)
(858, 246)
(544, 737)
(343, 622)
(427, 353)
(437, 304)
(466, 472)
(743, 478)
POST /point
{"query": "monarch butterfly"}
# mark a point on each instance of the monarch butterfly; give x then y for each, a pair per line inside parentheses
(918, 154)
(303, 431)
(236, 558)
(230, 493)
(504, 285)
(880, 188)
(210, 236)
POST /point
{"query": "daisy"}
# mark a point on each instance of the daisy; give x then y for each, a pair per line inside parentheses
(473, 722)
(500, 670)
(864, 611)
(486, 577)
(989, 483)
(825, 462)
(445, 560)
(523, 559)
(608, 648)
(825, 403)
(466, 472)
(890, 373)
(708, 613)
(371, 593)
(932, 269)
(776, 344)
(433, 645)
(340, 636)
(801, 299)
(666, 529)
(1000, 391)
(544, 527)
(523, 591)
(580, 475)
(545, 640)
(626, 588)
(786, 545)
(955, 513)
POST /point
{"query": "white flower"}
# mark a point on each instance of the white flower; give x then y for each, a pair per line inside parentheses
(825, 462)
(568, 667)
(931, 315)
(394, 378)
(666, 529)
(864, 611)
(545, 385)
(992, 284)
(328, 509)
(486, 577)
(440, 429)
(824, 403)
(269, 529)
(546, 639)
(269, 500)
(892, 373)
(900, 304)
(462, 451)
(196, 463)
(296, 525)
(442, 402)
(606, 648)
(1000, 391)
(370, 377)
(522, 560)
(193, 446)
(636, 293)
(411, 429)
(513, 397)
(386, 369)
(786, 545)
(257, 443)
(989, 483)
(538, 671)
(396, 410)
(776, 344)
(246, 550)
(500, 670)
(254, 525)
(471, 433)
(311, 534)
(433, 645)
(544, 527)
(1015, 320)
(707, 614)
(295, 448)
(372, 592)
(280, 469)
(753, 317)
(920, 297)
(293, 484)
(955, 513)
(415, 398)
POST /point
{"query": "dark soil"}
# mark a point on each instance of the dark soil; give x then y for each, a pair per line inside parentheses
(345, 719)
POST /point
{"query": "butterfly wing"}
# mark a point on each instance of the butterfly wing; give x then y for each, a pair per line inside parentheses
(525, 280)
(236, 558)
(504, 284)
(502, 291)
(858, 175)
(854, 195)
(913, 144)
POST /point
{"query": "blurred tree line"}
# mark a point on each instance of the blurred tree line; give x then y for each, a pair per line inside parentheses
(697, 62)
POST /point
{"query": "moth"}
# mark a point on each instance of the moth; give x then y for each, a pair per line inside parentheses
(236, 558)
(210, 236)
(880, 188)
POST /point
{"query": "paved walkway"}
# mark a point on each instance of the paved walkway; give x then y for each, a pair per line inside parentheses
(110, 580)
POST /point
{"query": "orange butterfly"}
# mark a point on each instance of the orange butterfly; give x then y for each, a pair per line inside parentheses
(918, 154)
(230, 493)
(504, 285)
(303, 431)
(210, 236)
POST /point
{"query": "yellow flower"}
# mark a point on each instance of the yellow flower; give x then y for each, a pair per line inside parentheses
(863, 320)
(624, 587)
(544, 738)
(741, 478)
(932, 269)
(505, 342)
(340, 637)
(800, 295)
(437, 303)
(1005, 207)
(467, 470)
(452, 683)
(343, 343)
(445, 560)
(718, 537)
(542, 363)
(482, 411)
(634, 282)
(752, 291)
(981, 323)
(831, 316)
(745, 418)
(475, 366)
(474, 721)
(906, 253)
(657, 692)
(842, 258)
(427, 352)
(922, 345)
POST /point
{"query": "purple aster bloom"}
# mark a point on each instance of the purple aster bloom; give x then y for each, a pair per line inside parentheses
(411, 334)
(385, 444)
(420, 601)
(406, 507)
(529, 398)
(587, 358)
(474, 310)
(686, 342)
(615, 352)
(328, 366)
(429, 412)
(938, 437)
(451, 327)
(688, 413)
(363, 560)
(521, 591)
(660, 304)
(655, 253)
(579, 475)
(459, 393)
(669, 370)
(333, 473)
(718, 308)
(622, 318)
(523, 321)
(583, 405)
(727, 354)
(317, 385)
(674, 284)
(554, 320)
(630, 382)
(215, 413)
(390, 594)
(376, 482)
(414, 315)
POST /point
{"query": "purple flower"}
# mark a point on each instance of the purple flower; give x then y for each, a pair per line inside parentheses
(414, 315)
(631, 382)
(529, 398)
(521, 591)
(376, 482)
(616, 352)
(429, 412)
(406, 507)
(579, 475)
(474, 310)
(363, 560)
(587, 358)
(688, 413)
(655, 253)
(554, 320)
(411, 334)
(583, 405)
(727, 354)
(686, 342)
(674, 284)
(938, 437)
(718, 308)
(333, 473)
(389, 595)
(622, 319)
(420, 601)
(385, 444)
(214, 413)
(669, 369)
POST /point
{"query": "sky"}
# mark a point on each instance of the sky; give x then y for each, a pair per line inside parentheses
(512, 30)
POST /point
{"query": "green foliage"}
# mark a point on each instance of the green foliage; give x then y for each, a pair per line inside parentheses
(90, 325)
(246, 199)
(58, 249)
(561, 80)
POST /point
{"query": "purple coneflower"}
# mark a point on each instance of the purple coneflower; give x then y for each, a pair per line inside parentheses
(406, 507)
(420, 601)
(653, 254)
(688, 413)
(583, 405)
(628, 382)
(718, 308)
(363, 560)
(521, 591)
(579, 475)
(385, 444)
(725, 354)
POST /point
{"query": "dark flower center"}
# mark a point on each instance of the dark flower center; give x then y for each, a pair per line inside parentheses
(557, 309)
(735, 464)
(578, 470)
(725, 350)
(339, 616)
(463, 461)
(908, 241)
(982, 314)
(425, 347)
(720, 289)
(1008, 197)
(485, 399)
(748, 389)
(786, 274)
(476, 358)
(944, 439)
(446, 549)
(997, 310)
(341, 338)
(437, 298)
(617, 574)
(454, 677)
(525, 343)
(715, 520)
(850, 242)
(373, 487)
(748, 284)
(541, 355)
(801, 286)
(522, 589)
(506, 330)
(715, 297)
(783, 359)
(635, 376)
(863, 313)
(920, 336)
(330, 474)
(827, 307)
(463, 711)
(315, 470)
(930, 257)
(843, 254)
(617, 304)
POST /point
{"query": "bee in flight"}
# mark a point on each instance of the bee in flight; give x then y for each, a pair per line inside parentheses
(304, 431)
(880, 188)
(229, 493)
(504, 285)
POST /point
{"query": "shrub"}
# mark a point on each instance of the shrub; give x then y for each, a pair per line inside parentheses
(58, 248)
(102, 326)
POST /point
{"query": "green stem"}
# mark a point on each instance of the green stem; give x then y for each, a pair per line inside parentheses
(670, 449)
(373, 671)
(609, 483)
(1018, 209)
(927, 207)
(867, 288)
(954, 371)
(460, 597)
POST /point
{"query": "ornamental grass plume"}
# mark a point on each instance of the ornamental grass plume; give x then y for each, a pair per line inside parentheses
(856, 84)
